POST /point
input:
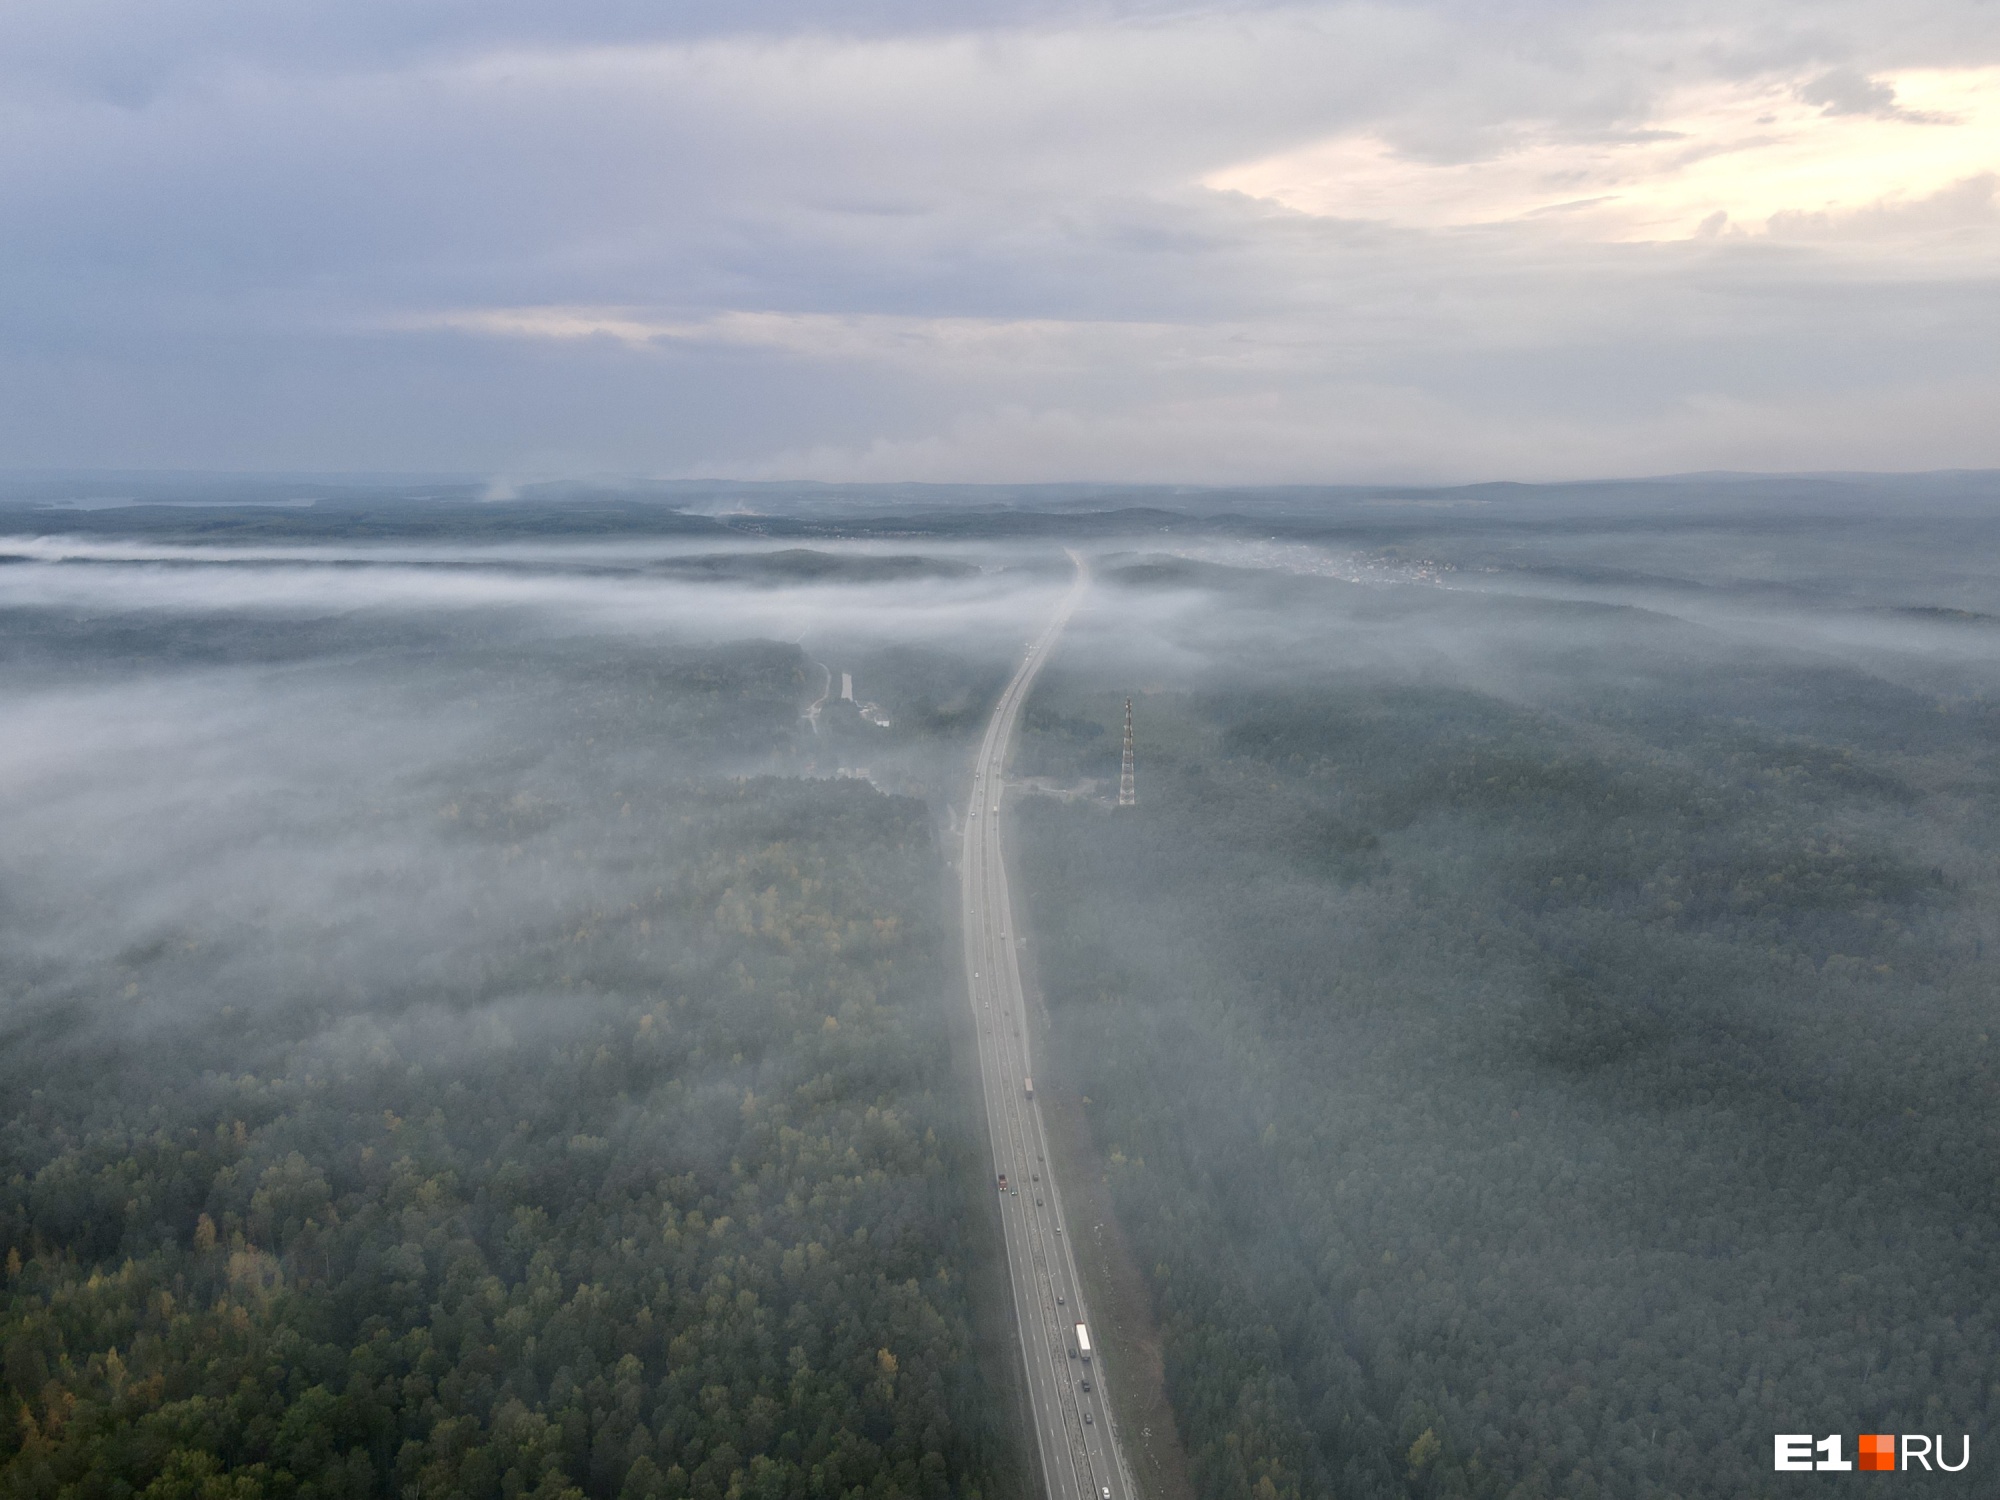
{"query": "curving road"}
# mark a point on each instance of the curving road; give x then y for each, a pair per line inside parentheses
(1081, 1459)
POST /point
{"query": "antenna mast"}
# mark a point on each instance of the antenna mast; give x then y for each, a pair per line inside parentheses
(1128, 796)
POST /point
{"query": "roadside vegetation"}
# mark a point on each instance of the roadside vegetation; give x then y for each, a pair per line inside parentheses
(523, 1113)
(1549, 1084)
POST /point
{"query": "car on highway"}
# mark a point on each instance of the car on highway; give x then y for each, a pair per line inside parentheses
(1090, 1419)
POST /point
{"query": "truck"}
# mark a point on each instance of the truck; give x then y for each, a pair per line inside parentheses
(1029, 1085)
(1083, 1342)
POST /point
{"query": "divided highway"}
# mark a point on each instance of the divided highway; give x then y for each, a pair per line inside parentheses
(1081, 1459)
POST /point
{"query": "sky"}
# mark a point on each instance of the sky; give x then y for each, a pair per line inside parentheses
(1226, 243)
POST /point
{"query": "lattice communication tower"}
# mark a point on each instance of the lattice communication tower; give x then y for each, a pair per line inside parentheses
(1128, 795)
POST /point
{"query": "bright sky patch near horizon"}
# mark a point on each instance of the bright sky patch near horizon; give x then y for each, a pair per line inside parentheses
(1024, 240)
(1756, 156)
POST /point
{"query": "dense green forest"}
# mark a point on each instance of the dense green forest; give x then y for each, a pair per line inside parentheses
(478, 1010)
(1537, 1048)
(429, 1069)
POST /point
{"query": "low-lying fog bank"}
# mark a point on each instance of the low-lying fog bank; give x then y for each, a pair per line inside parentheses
(1538, 1045)
(480, 1005)
(483, 1025)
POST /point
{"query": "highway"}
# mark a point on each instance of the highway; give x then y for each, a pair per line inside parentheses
(1080, 1455)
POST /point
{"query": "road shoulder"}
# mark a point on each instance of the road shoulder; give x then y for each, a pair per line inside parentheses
(989, 1289)
(1114, 1286)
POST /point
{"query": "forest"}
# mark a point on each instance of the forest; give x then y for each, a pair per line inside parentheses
(1536, 1046)
(480, 1011)
(452, 1053)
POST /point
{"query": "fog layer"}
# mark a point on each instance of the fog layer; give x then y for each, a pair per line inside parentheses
(464, 1035)
(481, 1016)
(1537, 1022)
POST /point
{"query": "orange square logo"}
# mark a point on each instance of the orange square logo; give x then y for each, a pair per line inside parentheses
(1878, 1450)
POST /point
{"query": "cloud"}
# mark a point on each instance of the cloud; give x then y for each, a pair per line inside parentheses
(1303, 431)
(1738, 154)
(506, 239)
(1844, 91)
(819, 336)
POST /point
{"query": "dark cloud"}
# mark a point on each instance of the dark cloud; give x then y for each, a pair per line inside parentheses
(1847, 92)
(252, 237)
